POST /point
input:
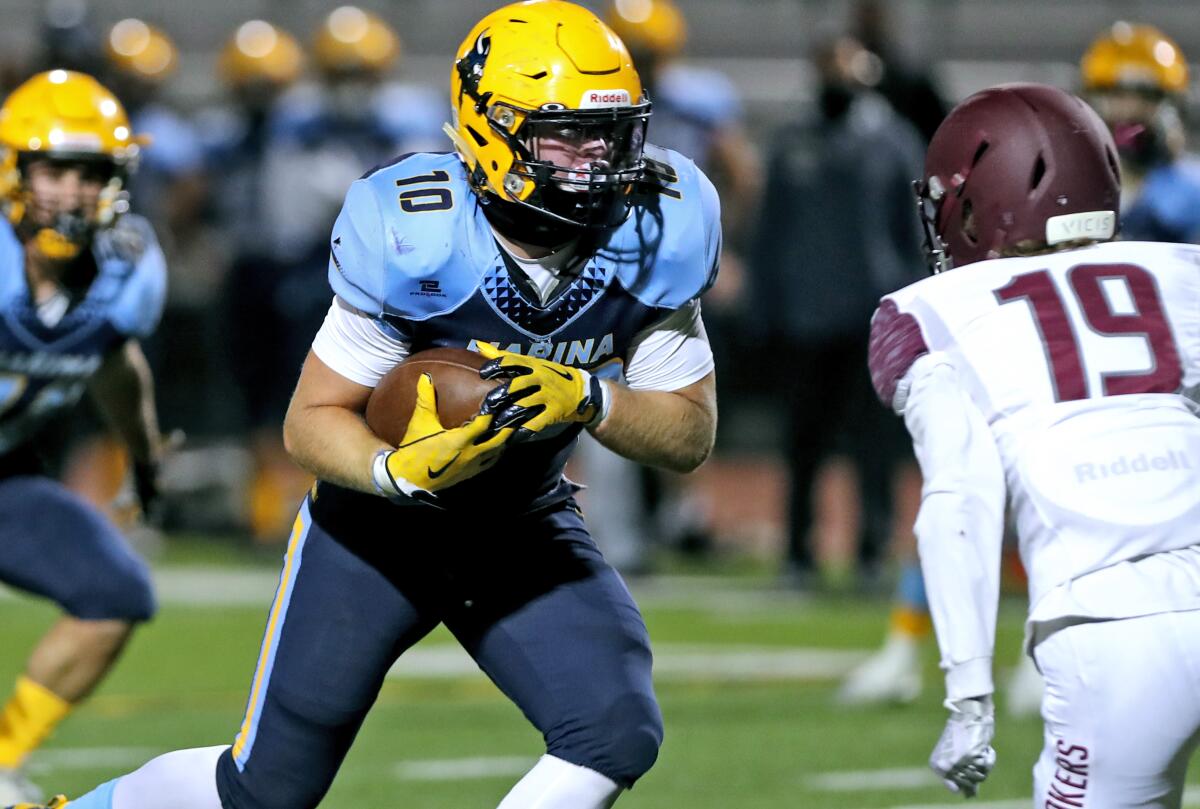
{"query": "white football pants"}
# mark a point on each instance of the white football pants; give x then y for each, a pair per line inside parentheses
(1121, 711)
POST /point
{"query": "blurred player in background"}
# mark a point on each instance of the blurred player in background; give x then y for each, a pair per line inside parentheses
(911, 90)
(81, 283)
(170, 190)
(321, 137)
(1137, 79)
(569, 254)
(170, 183)
(1053, 373)
(259, 63)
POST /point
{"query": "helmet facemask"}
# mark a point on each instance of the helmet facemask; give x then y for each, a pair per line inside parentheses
(929, 197)
(62, 228)
(582, 163)
(1146, 124)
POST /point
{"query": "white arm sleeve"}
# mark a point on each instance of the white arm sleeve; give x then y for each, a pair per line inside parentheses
(961, 522)
(672, 353)
(355, 345)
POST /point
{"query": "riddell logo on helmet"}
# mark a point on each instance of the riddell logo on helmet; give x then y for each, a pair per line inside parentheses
(593, 99)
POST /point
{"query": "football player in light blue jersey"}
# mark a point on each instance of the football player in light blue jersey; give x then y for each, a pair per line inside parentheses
(570, 256)
(80, 285)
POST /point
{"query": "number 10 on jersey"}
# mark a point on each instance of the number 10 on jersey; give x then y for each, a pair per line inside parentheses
(1148, 320)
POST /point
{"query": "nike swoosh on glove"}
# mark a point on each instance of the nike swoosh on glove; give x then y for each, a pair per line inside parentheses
(431, 457)
(538, 393)
(963, 756)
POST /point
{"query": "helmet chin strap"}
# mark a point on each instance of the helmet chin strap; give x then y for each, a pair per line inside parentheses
(528, 224)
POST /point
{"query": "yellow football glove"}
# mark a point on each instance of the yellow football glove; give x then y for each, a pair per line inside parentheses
(430, 457)
(539, 393)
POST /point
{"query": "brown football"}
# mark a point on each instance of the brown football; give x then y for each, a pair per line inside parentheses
(460, 391)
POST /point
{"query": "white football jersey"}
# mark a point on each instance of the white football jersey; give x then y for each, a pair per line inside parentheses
(1081, 363)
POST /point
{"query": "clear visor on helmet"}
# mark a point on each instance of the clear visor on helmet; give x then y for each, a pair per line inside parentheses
(576, 150)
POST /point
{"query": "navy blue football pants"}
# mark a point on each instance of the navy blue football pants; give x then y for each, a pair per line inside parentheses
(56, 545)
(529, 598)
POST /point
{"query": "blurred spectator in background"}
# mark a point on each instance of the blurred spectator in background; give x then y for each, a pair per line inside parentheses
(318, 139)
(68, 39)
(837, 231)
(1137, 79)
(910, 90)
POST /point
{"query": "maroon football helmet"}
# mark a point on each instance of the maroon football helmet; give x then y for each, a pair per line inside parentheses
(1016, 163)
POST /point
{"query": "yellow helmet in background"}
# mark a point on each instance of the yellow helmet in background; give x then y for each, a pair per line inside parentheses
(71, 116)
(259, 52)
(141, 50)
(548, 66)
(351, 40)
(654, 26)
(1134, 56)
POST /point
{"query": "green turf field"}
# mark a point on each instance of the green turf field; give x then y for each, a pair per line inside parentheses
(744, 684)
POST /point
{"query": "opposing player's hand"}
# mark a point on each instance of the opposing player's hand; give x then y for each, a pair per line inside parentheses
(539, 393)
(431, 457)
(963, 756)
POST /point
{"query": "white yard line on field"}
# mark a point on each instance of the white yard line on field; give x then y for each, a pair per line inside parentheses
(89, 758)
(860, 780)
(679, 662)
(456, 769)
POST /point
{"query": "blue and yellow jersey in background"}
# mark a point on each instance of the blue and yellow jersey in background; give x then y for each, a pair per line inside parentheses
(1167, 207)
(45, 363)
(691, 106)
(413, 249)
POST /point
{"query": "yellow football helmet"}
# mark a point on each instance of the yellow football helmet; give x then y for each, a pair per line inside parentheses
(351, 40)
(548, 68)
(1135, 57)
(64, 115)
(653, 26)
(258, 52)
(142, 50)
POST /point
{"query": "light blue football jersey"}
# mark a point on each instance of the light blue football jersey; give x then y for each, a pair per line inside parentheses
(44, 368)
(413, 249)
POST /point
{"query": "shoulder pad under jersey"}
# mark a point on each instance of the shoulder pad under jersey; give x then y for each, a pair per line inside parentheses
(410, 240)
(132, 279)
(668, 251)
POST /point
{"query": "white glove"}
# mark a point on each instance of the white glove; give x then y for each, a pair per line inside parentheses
(963, 756)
